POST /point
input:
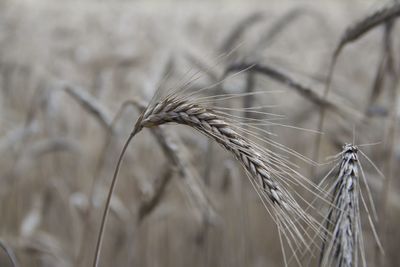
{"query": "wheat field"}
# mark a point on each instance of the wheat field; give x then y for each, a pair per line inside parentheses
(199, 133)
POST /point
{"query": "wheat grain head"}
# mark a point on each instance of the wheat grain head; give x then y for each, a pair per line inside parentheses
(262, 168)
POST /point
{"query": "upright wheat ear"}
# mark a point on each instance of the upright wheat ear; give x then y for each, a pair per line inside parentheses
(343, 218)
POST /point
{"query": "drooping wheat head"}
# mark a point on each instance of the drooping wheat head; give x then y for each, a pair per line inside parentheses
(270, 173)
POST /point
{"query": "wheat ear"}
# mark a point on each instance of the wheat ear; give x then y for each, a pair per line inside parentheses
(257, 164)
(207, 122)
(343, 220)
(266, 174)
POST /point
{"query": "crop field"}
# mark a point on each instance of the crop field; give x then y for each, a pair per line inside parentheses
(199, 133)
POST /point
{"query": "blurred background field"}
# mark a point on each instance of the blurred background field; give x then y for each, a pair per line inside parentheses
(51, 148)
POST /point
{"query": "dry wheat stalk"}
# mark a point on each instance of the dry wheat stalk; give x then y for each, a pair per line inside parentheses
(386, 65)
(151, 202)
(9, 253)
(355, 31)
(279, 25)
(89, 103)
(389, 165)
(303, 90)
(238, 31)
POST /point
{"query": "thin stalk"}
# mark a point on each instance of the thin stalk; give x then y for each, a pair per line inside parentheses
(108, 201)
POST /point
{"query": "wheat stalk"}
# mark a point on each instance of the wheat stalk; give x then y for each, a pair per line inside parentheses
(234, 37)
(369, 22)
(386, 65)
(89, 103)
(303, 90)
(9, 254)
